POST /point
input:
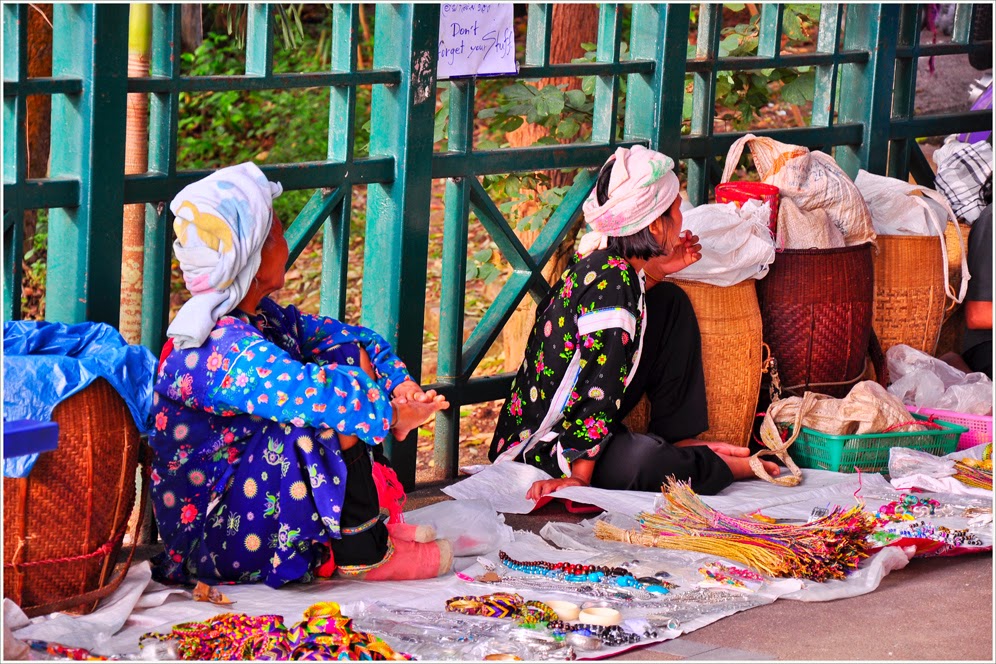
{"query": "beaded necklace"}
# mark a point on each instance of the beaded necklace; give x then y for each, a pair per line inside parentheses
(611, 636)
(577, 573)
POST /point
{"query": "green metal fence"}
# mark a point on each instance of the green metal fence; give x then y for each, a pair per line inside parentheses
(865, 61)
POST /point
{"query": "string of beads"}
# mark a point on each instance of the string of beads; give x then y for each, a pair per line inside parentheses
(610, 636)
(577, 573)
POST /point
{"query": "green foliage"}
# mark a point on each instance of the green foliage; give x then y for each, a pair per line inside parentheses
(218, 129)
(483, 266)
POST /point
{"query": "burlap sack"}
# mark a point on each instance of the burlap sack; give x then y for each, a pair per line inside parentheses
(819, 208)
(867, 408)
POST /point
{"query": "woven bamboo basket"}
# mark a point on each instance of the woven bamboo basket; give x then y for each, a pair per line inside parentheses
(730, 325)
(816, 308)
(64, 523)
(909, 291)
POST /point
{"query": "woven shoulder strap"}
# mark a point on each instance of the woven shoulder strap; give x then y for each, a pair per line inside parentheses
(779, 448)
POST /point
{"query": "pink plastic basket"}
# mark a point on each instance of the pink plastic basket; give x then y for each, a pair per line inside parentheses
(980, 427)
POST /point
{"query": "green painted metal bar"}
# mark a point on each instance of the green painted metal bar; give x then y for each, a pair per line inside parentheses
(962, 29)
(873, 27)
(35, 193)
(521, 281)
(398, 213)
(287, 81)
(605, 114)
(718, 144)
(453, 285)
(43, 86)
(84, 254)
(15, 169)
(522, 160)
(259, 40)
(940, 125)
(446, 446)
(752, 63)
(164, 117)
(501, 309)
(491, 218)
(904, 92)
(770, 36)
(476, 390)
(302, 175)
(311, 217)
(948, 48)
(539, 27)
(654, 103)
(563, 218)
(342, 118)
(532, 72)
(704, 99)
(827, 41)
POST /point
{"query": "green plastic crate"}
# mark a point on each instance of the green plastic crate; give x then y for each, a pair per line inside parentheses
(869, 452)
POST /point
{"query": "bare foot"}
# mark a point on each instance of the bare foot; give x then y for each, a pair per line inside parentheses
(412, 413)
(724, 449)
(740, 467)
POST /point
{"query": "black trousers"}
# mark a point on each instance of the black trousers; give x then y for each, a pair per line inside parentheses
(364, 535)
(980, 358)
(670, 374)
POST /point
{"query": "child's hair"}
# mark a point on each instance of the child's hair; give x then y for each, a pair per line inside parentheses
(641, 244)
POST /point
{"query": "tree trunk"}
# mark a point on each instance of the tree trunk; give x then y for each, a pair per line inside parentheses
(573, 24)
(136, 161)
(39, 107)
(191, 27)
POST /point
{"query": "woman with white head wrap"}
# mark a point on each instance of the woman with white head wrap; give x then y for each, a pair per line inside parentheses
(610, 332)
(267, 419)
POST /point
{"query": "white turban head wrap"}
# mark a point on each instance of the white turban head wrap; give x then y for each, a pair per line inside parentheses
(221, 223)
(642, 187)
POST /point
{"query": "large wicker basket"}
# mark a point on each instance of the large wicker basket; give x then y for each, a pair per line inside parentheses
(910, 275)
(64, 523)
(730, 325)
(816, 308)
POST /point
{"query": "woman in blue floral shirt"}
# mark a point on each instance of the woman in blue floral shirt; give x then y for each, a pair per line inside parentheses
(266, 418)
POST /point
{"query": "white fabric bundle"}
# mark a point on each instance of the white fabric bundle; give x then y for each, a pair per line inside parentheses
(736, 243)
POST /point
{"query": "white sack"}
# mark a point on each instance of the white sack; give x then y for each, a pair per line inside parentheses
(901, 208)
(736, 243)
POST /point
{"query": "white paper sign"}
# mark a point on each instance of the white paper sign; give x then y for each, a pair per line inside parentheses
(476, 40)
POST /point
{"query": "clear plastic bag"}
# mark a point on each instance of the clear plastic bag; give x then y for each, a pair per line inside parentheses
(904, 462)
(472, 526)
(926, 382)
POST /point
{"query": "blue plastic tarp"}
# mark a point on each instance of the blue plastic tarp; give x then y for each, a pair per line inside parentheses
(45, 363)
